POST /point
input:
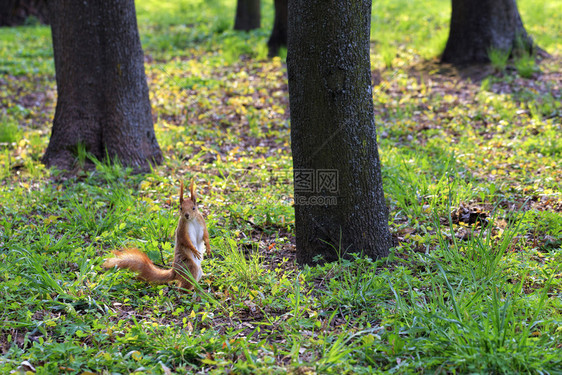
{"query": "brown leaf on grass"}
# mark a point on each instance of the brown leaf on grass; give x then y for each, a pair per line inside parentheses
(469, 215)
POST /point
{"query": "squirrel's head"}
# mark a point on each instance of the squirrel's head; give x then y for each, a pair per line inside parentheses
(188, 207)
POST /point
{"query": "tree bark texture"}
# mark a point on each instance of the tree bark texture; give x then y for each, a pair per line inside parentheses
(103, 102)
(479, 26)
(333, 131)
(278, 37)
(15, 12)
(248, 15)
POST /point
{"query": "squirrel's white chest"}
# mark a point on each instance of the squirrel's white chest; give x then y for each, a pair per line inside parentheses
(196, 232)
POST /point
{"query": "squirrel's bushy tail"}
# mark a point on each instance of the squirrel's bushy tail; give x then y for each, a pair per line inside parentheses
(137, 261)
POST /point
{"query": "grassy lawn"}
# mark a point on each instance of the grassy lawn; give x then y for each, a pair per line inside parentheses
(471, 171)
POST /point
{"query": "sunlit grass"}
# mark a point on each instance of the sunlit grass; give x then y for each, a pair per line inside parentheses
(452, 297)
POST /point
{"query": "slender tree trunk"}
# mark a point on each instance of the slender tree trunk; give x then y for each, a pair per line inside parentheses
(8, 15)
(339, 199)
(15, 12)
(480, 26)
(103, 103)
(278, 36)
(248, 15)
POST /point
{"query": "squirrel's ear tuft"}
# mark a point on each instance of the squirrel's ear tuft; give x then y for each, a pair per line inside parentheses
(192, 190)
(181, 192)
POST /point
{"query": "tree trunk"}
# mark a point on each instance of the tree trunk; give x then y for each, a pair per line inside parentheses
(480, 26)
(15, 12)
(248, 15)
(103, 103)
(339, 199)
(278, 36)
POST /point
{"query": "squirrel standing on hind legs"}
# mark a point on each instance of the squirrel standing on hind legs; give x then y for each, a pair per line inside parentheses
(192, 240)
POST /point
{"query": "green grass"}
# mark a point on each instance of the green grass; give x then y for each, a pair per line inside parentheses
(498, 59)
(9, 131)
(26, 50)
(454, 296)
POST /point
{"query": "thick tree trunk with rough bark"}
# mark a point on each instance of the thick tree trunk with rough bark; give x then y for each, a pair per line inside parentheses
(278, 36)
(103, 103)
(339, 200)
(16, 12)
(248, 15)
(480, 26)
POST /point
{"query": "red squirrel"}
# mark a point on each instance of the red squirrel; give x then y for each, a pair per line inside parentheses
(192, 240)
